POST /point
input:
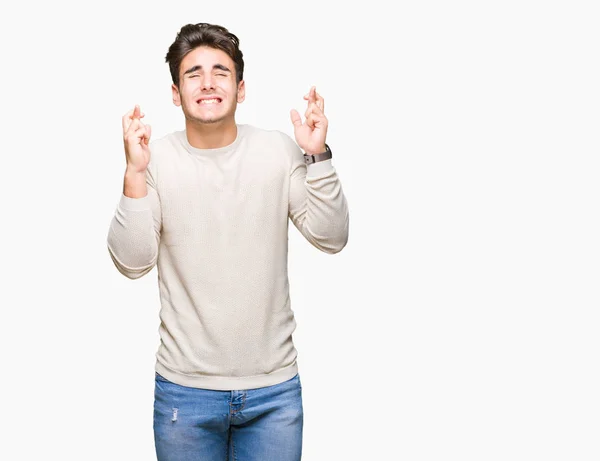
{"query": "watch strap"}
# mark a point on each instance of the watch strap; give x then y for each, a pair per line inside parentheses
(308, 159)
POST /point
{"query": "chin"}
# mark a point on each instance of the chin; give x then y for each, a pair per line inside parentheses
(202, 119)
(206, 121)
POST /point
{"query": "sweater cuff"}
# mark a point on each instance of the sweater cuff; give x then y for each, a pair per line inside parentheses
(314, 170)
(134, 204)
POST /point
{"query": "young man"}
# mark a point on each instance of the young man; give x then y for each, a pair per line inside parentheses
(210, 207)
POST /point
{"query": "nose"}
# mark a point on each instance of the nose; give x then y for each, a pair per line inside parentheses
(207, 82)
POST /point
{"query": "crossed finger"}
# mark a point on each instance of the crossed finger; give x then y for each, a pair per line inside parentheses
(134, 114)
(314, 115)
(315, 97)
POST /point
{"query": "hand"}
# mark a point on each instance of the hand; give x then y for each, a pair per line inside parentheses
(136, 137)
(311, 134)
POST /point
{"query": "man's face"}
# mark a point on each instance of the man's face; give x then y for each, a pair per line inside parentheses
(207, 89)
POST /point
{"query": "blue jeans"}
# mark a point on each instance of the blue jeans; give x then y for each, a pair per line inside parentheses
(263, 424)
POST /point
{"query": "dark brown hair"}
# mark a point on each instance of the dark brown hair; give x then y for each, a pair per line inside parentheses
(192, 36)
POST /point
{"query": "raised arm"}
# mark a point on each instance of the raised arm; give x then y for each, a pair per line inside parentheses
(134, 231)
(317, 204)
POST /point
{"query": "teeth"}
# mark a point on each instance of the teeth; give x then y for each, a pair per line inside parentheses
(209, 101)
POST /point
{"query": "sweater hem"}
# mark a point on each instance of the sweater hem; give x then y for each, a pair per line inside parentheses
(228, 383)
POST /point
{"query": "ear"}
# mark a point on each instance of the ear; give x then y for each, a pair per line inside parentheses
(241, 92)
(176, 95)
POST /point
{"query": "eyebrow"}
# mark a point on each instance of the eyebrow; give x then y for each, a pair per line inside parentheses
(216, 66)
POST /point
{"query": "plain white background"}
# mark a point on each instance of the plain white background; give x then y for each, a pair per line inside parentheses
(460, 322)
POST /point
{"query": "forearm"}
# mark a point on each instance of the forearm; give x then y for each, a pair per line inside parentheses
(134, 231)
(134, 184)
(324, 217)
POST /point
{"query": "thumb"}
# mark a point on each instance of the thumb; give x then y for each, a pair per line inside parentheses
(295, 116)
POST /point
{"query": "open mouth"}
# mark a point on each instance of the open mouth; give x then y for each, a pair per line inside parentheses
(210, 101)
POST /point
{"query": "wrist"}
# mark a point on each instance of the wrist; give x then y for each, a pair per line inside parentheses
(322, 149)
(325, 154)
(133, 172)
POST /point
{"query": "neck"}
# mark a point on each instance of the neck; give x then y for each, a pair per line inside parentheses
(211, 135)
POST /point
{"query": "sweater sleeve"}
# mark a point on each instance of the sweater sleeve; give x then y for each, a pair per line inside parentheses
(317, 204)
(134, 231)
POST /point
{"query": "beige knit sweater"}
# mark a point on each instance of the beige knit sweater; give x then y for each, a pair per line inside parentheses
(215, 223)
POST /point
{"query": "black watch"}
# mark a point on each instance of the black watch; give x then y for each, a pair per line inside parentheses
(308, 159)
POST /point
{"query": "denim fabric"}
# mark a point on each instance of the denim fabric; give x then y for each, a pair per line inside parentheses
(263, 424)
